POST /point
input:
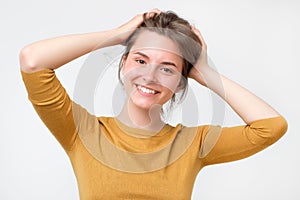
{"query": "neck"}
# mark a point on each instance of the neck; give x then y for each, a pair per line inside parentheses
(136, 117)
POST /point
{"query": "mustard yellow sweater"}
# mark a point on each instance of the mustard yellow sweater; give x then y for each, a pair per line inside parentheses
(113, 161)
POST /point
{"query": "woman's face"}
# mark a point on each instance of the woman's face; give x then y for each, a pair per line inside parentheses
(152, 70)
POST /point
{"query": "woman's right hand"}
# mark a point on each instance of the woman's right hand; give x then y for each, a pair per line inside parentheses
(129, 27)
(55, 52)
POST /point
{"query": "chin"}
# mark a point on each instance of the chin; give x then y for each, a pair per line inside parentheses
(143, 104)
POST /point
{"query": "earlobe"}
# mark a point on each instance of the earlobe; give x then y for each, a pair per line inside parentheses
(123, 60)
(121, 69)
(179, 87)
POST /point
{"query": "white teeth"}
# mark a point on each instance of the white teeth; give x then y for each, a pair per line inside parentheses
(146, 90)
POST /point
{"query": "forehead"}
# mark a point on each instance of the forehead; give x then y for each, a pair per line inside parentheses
(148, 40)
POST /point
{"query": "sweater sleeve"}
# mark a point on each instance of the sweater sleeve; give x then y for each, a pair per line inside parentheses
(225, 144)
(52, 104)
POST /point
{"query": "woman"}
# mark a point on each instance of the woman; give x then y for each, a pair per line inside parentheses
(136, 155)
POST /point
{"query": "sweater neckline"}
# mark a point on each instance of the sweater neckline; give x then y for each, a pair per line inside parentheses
(139, 132)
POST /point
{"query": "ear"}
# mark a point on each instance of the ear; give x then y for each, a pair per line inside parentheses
(180, 86)
(122, 61)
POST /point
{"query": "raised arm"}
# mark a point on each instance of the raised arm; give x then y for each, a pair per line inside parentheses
(264, 125)
(246, 104)
(55, 52)
(48, 97)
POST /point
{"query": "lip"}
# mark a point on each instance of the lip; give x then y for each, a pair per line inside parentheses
(144, 93)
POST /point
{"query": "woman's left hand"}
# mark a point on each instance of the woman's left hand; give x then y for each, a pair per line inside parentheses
(202, 63)
(246, 104)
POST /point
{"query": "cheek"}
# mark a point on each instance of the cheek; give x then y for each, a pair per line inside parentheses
(171, 83)
(129, 72)
(128, 66)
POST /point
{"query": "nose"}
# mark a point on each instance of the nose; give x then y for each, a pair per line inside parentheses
(150, 74)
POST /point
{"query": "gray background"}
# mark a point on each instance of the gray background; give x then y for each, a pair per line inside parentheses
(252, 42)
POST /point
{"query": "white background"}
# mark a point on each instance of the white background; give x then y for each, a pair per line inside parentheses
(255, 43)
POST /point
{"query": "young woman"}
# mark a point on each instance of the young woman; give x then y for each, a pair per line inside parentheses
(136, 155)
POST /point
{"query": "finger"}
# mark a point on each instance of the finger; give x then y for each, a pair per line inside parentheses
(198, 33)
(155, 10)
(152, 13)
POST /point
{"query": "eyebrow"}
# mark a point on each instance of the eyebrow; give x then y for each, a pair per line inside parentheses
(164, 63)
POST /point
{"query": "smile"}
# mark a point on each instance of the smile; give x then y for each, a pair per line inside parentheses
(146, 90)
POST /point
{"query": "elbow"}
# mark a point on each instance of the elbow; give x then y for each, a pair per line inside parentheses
(280, 127)
(268, 131)
(27, 61)
(277, 129)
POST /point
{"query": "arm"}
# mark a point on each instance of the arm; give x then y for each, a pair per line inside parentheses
(48, 97)
(53, 105)
(246, 104)
(55, 52)
(225, 144)
(264, 125)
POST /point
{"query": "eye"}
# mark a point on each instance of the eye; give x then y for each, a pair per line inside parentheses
(167, 70)
(140, 61)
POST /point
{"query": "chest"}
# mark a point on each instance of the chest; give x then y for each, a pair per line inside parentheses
(97, 180)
